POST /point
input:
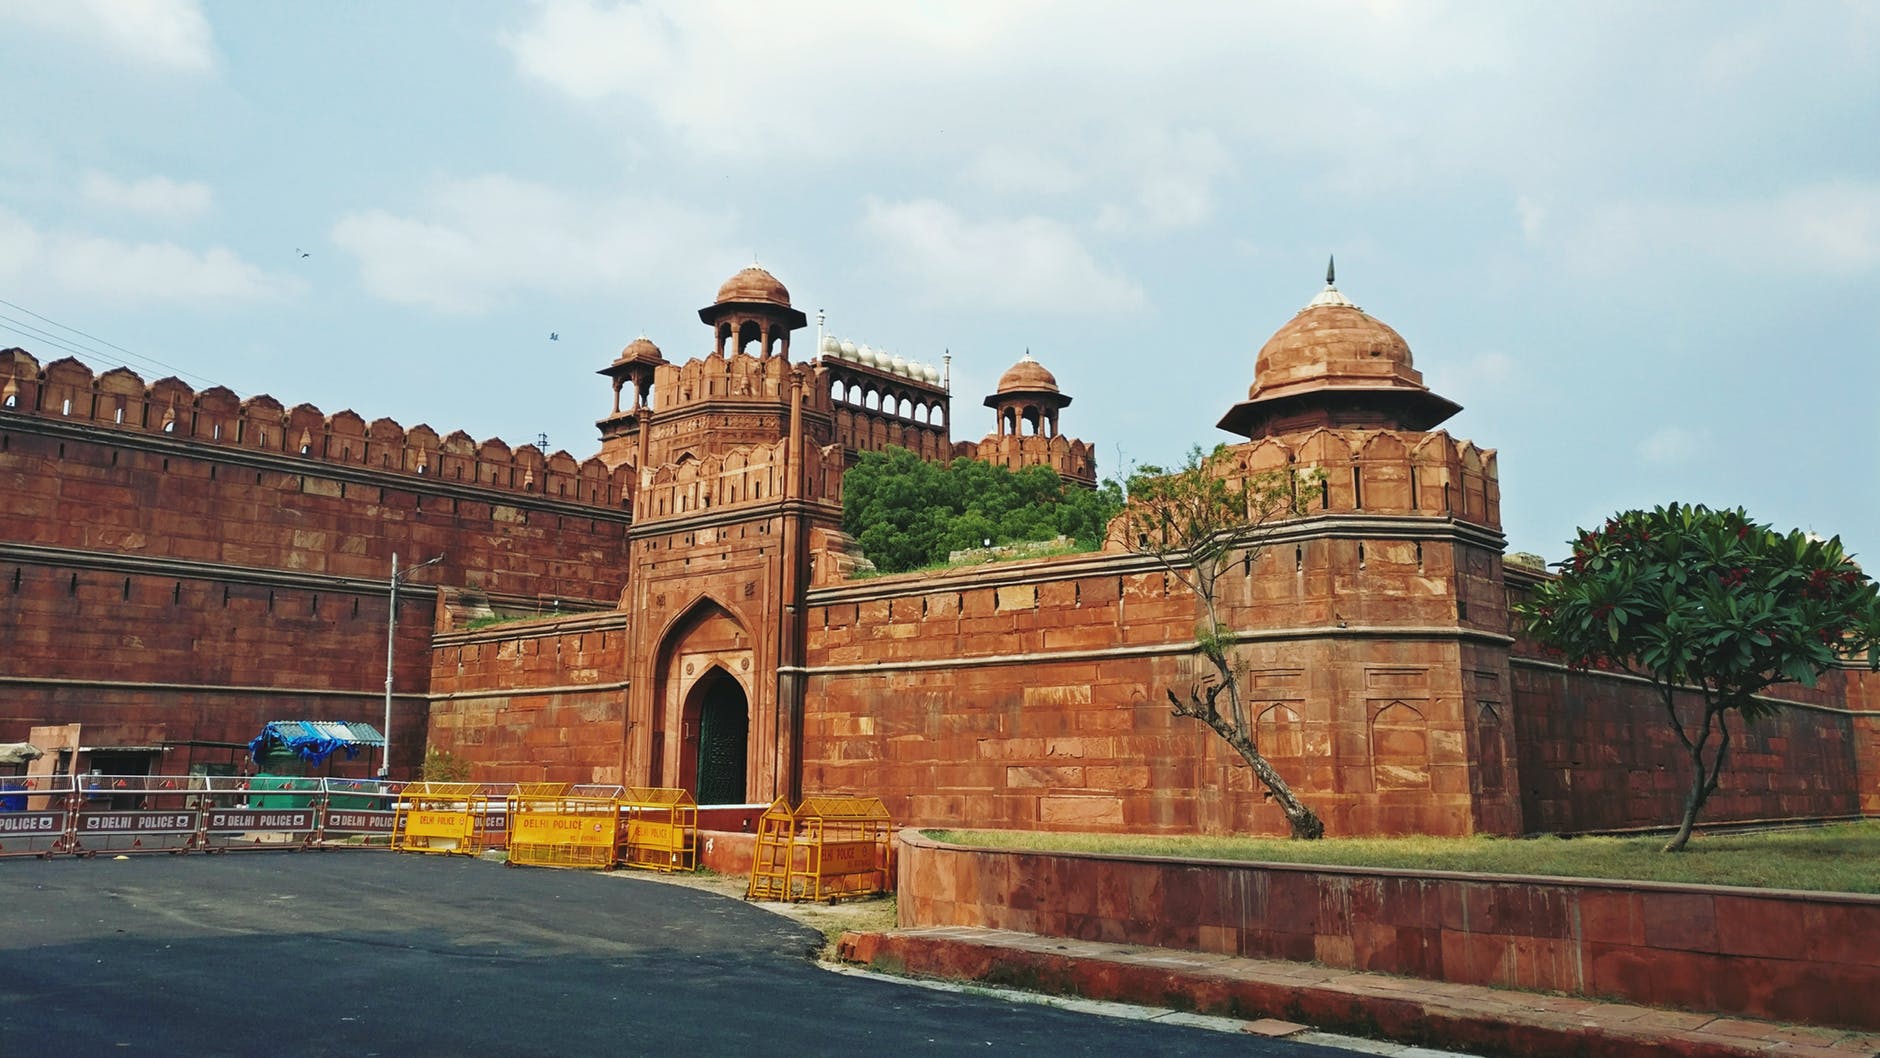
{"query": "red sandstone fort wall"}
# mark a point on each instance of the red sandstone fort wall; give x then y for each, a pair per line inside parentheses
(1597, 752)
(535, 701)
(176, 557)
(1033, 695)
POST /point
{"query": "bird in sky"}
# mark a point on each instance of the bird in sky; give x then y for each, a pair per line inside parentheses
(554, 336)
(302, 253)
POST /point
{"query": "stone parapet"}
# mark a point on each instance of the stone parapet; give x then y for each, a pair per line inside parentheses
(1790, 956)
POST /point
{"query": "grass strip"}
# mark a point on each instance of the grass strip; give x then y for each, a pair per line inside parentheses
(1842, 858)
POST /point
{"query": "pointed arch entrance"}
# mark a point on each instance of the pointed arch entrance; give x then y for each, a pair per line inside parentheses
(703, 709)
(717, 726)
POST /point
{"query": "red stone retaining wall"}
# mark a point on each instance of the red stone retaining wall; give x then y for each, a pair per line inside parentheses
(1597, 753)
(533, 701)
(1807, 957)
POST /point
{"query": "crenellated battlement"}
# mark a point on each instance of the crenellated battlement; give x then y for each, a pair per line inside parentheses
(1386, 472)
(120, 399)
(1073, 460)
(722, 377)
(742, 476)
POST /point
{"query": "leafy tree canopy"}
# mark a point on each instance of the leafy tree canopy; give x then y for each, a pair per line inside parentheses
(1710, 604)
(907, 512)
(1709, 599)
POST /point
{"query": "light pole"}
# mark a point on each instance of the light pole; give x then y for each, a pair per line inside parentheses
(391, 637)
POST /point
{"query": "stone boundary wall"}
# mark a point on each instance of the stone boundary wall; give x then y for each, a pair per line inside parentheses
(1030, 694)
(1597, 754)
(534, 701)
(1789, 956)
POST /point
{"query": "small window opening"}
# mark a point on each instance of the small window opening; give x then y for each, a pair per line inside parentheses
(127, 589)
(1357, 488)
(176, 593)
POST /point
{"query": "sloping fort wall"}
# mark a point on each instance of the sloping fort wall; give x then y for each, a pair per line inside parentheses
(193, 559)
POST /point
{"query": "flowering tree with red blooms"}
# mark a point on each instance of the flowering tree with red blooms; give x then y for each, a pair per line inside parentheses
(1712, 608)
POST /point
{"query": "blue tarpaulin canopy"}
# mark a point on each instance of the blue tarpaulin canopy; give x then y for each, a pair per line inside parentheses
(314, 740)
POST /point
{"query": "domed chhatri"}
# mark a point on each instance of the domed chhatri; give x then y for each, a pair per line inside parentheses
(1332, 364)
(752, 310)
(640, 350)
(1026, 376)
(753, 284)
(1027, 400)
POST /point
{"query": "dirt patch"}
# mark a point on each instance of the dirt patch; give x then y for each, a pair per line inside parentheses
(871, 914)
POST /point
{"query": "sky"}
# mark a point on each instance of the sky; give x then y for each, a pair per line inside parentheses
(1638, 242)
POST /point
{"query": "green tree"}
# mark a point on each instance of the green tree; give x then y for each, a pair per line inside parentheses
(1712, 608)
(1197, 521)
(907, 513)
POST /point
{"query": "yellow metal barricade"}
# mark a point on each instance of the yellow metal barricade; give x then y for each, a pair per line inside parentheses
(559, 830)
(661, 829)
(442, 817)
(770, 857)
(841, 848)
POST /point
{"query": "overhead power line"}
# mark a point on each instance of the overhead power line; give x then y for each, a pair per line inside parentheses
(81, 345)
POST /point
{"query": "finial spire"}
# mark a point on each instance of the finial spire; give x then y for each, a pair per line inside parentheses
(1331, 270)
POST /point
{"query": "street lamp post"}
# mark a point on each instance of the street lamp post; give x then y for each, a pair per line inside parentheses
(391, 637)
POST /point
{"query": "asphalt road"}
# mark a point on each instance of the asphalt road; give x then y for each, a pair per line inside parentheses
(406, 956)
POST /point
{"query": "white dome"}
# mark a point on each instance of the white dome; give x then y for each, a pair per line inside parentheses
(898, 365)
(831, 347)
(864, 354)
(930, 372)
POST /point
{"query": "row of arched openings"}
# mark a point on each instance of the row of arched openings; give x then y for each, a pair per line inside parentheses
(861, 395)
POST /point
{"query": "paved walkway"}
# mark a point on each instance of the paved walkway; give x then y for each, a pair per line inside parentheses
(1281, 998)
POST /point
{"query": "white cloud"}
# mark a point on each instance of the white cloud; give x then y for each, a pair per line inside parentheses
(1023, 169)
(1140, 111)
(480, 241)
(1826, 228)
(1030, 263)
(1672, 445)
(154, 196)
(172, 34)
(1533, 217)
(116, 271)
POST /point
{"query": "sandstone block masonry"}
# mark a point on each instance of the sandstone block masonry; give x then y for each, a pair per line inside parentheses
(185, 565)
(192, 565)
